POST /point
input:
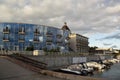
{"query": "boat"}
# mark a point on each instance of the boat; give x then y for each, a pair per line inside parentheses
(71, 71)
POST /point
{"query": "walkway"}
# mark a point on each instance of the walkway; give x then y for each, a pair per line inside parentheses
(11, 71)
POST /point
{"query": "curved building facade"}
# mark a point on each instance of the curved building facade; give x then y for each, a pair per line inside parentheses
(19, 36)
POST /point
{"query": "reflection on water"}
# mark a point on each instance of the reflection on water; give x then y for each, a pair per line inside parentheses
(111, 74)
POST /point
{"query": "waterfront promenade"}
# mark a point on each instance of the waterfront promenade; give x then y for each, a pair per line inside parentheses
(11, 71)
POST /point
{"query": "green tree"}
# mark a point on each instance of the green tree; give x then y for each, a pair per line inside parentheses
(45, 49)
(92, 49)
(30, 48)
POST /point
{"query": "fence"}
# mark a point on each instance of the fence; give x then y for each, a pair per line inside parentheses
(30, 53)
(15, 52)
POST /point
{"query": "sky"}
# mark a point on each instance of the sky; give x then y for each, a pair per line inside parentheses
(99, 20)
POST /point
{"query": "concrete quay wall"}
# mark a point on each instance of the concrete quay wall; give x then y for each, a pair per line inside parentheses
(58, 61)
(53, 61)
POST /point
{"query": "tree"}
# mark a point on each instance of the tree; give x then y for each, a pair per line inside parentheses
(30, 48)
(45, 49)
(92, 49)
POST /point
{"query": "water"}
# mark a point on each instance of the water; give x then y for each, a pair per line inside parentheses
(111, 74)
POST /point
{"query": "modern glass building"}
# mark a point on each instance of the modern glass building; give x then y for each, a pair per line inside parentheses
(19, 36)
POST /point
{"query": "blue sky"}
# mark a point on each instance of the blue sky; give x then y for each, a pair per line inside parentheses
(99, 41)
(97, 19)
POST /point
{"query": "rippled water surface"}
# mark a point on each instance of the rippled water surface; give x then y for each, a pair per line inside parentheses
(111, 74)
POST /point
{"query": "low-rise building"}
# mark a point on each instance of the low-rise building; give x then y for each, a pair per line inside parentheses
(104, 51)
(78, 43)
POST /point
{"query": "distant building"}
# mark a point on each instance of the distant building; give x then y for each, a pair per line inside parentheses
(104, 51)
(78, 43)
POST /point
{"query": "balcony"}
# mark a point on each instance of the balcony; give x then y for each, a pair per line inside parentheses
(48, 40)
(59, 35)
(21, 32)
(48, 43)
(36, 32)
(5, 39)
(49, 34)
(59, 42)
(78, 45)
(21, 40)
(6, 31)
(35, 40)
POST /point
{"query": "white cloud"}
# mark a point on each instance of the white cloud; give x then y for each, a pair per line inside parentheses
(28, 11)
(113, 9)
(84, 16)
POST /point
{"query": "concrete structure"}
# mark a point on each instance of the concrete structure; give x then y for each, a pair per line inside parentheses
(97, 51)
(104, 51)
(78, 43)
(63, 60)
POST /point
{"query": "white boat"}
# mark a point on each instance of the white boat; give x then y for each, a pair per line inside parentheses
(71, 71)
(95, 65)
(77, 69)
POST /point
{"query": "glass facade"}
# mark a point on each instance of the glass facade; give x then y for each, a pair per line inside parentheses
(19, 36)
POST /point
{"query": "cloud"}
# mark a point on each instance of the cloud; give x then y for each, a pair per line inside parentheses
(107, 44)
(114, 9)
(82, 16)
(115, 36)
(114, 46)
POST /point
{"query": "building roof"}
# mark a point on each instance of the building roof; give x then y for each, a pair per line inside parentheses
(104, 49)
(78, 35)
(27, 23)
